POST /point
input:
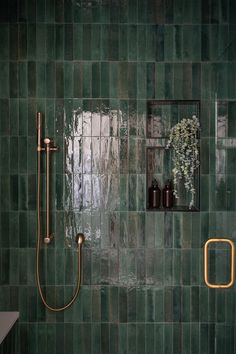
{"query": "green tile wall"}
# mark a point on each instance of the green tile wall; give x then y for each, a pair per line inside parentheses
(90, 67)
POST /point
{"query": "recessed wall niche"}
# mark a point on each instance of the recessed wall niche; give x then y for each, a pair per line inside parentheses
(161, 117)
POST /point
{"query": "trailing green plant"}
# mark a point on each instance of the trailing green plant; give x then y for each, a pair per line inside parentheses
(184, 141)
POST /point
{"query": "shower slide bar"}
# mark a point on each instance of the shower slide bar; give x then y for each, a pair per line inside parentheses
(206, 263)
(49, 147)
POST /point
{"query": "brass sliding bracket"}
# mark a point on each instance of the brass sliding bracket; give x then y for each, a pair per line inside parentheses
(206, 263)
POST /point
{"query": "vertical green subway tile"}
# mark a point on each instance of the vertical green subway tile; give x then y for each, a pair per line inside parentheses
(14, 266)
(203, 192)
(68, 38)
(40, 11)
(78, 41)
(31, 192)
(31, 79)
(141, 43)
(14, 80)
(22, 41)
(31, 117)
(13, 229)
(68, 11)
(113, 42)
(123, 305)
(104, 338)
(13, 41)
(186, 267)
(40, 80)
(150, 80)
(151, 46)
(123, 13)
(132, 42)
(123, 338)
(205, 47)
(222, 87)
(23, 76)
(160, 81)
(131, 338)
(59, 45)
(96, 42)
(132, 80)
(31, 224)
(169, 43)
(196, 81)
(77, 80)
(232, 74)
(104, 42)
(5, 155)
(5, 192)
(179, 81)
(68, 80)
(22, 154)
(231, 122)
(50, 72)
(231, 53)
(4, 39)
(31, 10)
(23, 113)
(168, 86)
(4, 117)
(50, 42)
(59, 80)
(113, 338)
(191, 43)
(96, 79)
(195, 304)
(5, 227)
(59, 11)
(50, 11)
(87, 79)
(168, 267)
(187, 81)
(177, 341)
(141, 82)
(41, 41)
(168, 341)
(4, 79)
(178, 13)
(168, 233)
(115, 13)
(159, 338)
(132, 11)
(114, 300)
(105, 66)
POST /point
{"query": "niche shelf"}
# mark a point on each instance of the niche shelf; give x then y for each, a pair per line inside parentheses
(162, 116)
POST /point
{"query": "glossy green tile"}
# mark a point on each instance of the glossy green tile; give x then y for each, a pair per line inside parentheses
(68, 11)
(5, 225)
(4, 38)
(13, 41)
(123, 43)
(4, 79)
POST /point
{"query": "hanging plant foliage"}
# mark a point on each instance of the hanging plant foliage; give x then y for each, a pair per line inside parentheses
(184, 141)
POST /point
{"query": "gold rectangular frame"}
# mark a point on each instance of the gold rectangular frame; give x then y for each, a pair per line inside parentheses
(206, 263)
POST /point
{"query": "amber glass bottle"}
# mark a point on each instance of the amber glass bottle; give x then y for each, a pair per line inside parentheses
(167, 196)
(154, 195)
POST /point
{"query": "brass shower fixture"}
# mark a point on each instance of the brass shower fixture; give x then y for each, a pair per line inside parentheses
(48, 148)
